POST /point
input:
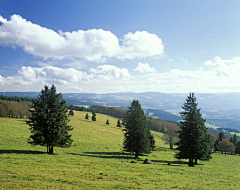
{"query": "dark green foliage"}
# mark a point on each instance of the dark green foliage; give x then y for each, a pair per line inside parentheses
(194, 143)
(152, 142)
(107, 122)
(86, 117)
(71, 112)
(93, 115)
(234, 139)
(238, 148)
(137, 133)
(220, 138)
(49, 120)
(118, 123)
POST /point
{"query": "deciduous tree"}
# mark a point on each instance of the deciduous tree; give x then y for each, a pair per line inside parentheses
(226, 146)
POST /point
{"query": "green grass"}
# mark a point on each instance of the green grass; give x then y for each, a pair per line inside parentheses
(96, 161)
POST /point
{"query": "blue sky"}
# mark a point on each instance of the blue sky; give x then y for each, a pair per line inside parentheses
(120, 46)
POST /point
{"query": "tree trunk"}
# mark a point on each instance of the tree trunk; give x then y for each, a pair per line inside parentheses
(190, 162)
(171, 146)
(51, 150)
(195, 161)
(136, 154)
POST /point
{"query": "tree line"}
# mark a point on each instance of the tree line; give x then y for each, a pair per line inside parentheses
(16, 98)
(14, 109)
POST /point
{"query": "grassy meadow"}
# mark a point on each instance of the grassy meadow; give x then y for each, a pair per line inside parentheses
(96, 161)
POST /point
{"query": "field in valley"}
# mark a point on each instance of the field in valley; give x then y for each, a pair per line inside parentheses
(96, 161)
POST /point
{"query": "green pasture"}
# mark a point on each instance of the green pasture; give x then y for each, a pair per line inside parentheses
(96, 161)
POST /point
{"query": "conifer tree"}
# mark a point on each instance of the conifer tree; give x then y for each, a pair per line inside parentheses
(86, 117)
(49, 120)
(137, 133)
(152, 142)
(93, 115)
(194, 143)
(107, 122)
(118, 123)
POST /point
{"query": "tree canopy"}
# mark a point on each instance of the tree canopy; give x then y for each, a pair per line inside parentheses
(49, 120)
(194, 143)
(137, 133)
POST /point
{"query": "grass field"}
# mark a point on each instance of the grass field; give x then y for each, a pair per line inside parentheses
(96, 161)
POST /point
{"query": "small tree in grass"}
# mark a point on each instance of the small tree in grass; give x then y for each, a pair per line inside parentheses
(86, 116)
(93, 115)
(71, 112)
(170, 137)
(118, 123)
(107, 122)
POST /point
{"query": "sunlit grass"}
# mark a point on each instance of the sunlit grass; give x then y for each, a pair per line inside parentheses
(96, 161)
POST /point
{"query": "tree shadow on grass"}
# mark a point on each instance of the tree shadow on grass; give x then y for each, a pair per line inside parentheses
(21, 152)
(109, 155)
(170, 163)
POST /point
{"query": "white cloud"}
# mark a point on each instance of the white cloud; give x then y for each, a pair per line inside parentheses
(93, 45)
(49, 74)
(228, 68)
(144, 68)
(108, 72)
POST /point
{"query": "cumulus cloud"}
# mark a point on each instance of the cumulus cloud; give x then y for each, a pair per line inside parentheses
(108, 72)
(93, 45)
(49, 74)
(144, 68)
(228, 68)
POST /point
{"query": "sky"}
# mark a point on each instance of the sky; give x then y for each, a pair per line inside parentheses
(120, 46)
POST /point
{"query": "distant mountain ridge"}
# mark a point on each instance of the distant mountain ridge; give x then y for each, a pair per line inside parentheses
(222, 109)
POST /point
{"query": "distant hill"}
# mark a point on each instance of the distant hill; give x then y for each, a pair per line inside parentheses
(222, 109)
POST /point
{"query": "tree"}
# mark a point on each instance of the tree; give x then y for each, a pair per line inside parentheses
(118, 123)
(86, 117)
(137, 133)
(170, 137)
(107, 122)
(93, 115)
(194, 143)
(238, 148)
(220, 138)
(152, 142)
(49, 120)
(71, 112)
(226, 146)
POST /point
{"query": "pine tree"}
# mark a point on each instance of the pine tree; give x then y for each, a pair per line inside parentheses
(237, 151)
(152, 142)
(194, 143)
(107, 122)
(137, 133)
(93, 115)
(86, 117)
(49, 121)
(71, 112)
(118, 123)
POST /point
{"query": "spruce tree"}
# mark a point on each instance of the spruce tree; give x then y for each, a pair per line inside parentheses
(137, 133)
(86, 117)
(49, 120)
(118, 123)
(93, 115)
(194, 143)
(107, 122)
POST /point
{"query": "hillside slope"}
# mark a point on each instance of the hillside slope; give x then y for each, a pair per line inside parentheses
(96, 161)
